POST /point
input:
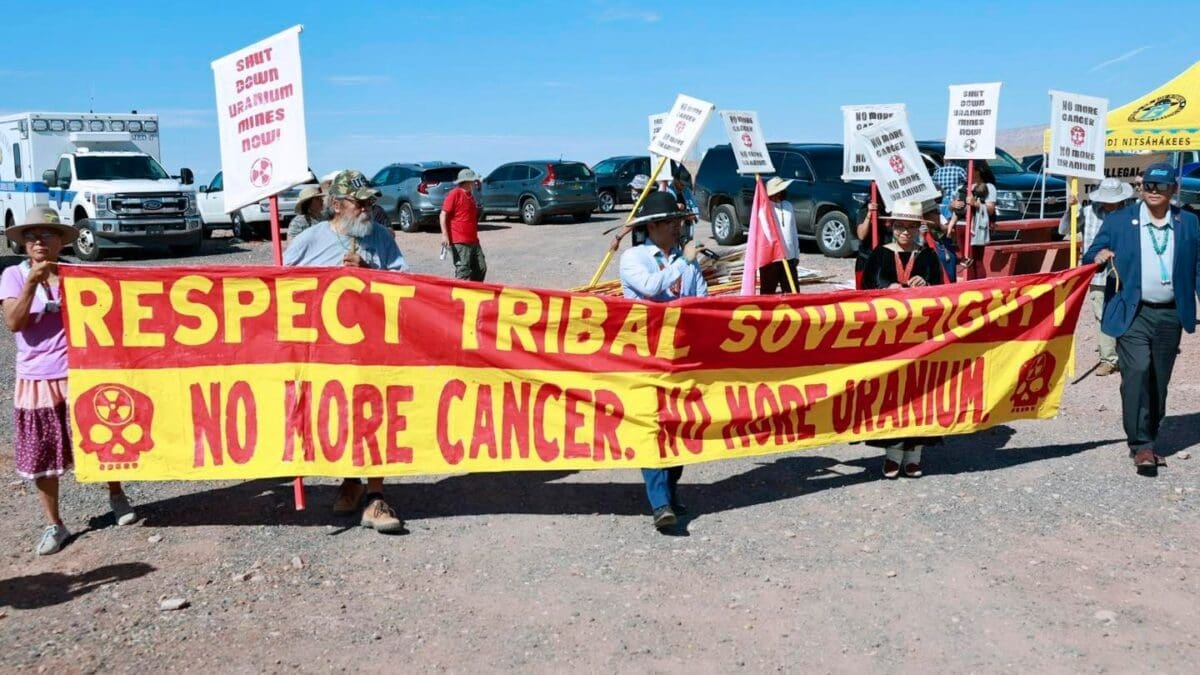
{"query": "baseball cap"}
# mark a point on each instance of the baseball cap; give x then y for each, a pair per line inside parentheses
(1159, 172)
(351, 184)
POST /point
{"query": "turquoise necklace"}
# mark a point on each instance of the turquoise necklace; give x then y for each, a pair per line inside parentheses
(1160, 248)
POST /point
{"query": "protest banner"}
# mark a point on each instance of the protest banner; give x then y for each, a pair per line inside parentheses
(746, 138)
(681, 129)
(1128, 168)
(971, 122)
(896, 165)
(656, 124)
(260, 119)
(1077, 131)
(855, 118)
(204, 373)
(260, 122)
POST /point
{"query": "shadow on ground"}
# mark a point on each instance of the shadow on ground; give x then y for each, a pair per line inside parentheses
(53, 588)
(269, 502)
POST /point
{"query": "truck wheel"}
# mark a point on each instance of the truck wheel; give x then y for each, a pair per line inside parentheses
(725, 226)
(86, 247)
(240, 230)
(531, 211)
(833, 235)
(608, 202)
(408, 221)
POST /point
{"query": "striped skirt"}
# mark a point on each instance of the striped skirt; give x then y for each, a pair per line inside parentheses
(43, 433)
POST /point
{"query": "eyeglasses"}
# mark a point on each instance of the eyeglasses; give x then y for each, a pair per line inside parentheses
(1157, 187)
(44, 235)
(362, 203)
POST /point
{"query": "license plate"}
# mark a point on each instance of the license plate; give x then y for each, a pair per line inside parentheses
(154, 229)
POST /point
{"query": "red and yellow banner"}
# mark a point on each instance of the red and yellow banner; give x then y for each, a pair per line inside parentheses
(248, 372)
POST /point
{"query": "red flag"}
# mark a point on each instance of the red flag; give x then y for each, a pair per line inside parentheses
(764, 244)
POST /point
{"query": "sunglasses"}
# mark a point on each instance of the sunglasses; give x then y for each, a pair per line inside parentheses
(44, 236)
(1157, 187)
(362, 203)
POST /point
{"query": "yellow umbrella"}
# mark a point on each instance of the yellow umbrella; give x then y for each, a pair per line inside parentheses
(1164, 120)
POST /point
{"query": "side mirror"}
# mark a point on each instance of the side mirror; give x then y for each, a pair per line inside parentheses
(202, 188)
(50, 177)
(186, 177)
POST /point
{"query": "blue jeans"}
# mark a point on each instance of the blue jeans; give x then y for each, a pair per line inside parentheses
(660, 485)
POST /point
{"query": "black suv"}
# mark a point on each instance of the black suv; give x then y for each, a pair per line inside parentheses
(1018, 189)
(612, 180)
(825, 205)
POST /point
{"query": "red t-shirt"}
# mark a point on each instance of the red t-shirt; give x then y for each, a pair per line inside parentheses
(463, 215)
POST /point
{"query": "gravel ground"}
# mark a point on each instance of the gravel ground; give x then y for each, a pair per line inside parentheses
(1029, 547)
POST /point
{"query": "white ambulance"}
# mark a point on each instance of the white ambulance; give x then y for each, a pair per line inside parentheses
(101, 172)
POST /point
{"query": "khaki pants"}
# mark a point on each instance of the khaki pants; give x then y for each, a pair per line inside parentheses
(1108, 344)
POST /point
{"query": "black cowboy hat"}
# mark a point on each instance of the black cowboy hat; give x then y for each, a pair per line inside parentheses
(657, 207)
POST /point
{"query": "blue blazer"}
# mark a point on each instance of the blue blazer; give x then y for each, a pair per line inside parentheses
(1121, 234)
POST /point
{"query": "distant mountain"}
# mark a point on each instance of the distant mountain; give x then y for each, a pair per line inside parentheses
(1021, 141)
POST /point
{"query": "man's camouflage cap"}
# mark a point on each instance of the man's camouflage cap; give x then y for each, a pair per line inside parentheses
(351, 184)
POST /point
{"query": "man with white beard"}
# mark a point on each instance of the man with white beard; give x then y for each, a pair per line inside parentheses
(351, 239)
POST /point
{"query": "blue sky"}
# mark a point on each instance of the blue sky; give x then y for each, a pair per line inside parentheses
(488, 82)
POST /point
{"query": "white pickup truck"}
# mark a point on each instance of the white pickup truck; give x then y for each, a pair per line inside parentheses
(101, 172)
(247, 222)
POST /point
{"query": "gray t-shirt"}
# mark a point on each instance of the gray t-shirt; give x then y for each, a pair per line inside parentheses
(1157, 284)
(320, 246)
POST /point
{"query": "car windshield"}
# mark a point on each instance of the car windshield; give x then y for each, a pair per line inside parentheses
(572, 172)
(828, 165)
(446, 174)
(607, 167)
(1005, 163)
(125, 167)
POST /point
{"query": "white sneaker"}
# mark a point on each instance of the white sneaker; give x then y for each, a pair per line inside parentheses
(53, 538)
(121, 509)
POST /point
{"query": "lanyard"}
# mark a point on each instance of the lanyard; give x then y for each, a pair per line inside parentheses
(904, 273)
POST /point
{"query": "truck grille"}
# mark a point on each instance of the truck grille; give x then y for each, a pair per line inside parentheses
(148, 204)
(1030, 203)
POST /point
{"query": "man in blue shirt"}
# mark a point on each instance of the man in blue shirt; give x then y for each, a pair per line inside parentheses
(350, 238)
(1153, 249)
(660, 271)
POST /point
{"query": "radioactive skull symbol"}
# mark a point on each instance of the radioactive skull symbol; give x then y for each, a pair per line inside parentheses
(114, 424)
(1033, 384)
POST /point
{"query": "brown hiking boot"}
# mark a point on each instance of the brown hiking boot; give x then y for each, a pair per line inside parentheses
(380, 517)
(350, 493)
(1105, 368)
(1145, 462)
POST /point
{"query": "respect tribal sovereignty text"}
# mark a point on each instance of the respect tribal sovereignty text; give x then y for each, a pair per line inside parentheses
(250, 372)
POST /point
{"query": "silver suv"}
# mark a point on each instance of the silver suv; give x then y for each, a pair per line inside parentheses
(412, 194)
(536, 190)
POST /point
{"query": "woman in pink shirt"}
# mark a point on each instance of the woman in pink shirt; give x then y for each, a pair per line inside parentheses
(32, 302)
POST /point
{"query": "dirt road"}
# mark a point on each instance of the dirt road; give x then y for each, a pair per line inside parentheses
(1030, 547)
